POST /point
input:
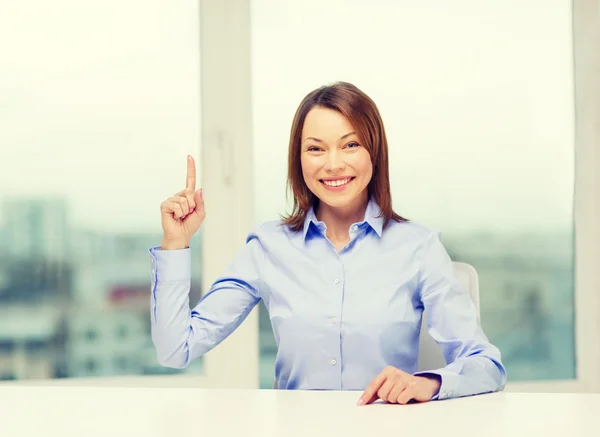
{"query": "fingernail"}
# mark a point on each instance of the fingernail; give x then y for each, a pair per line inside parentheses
(201, 191)
(191, 210)
(360, 402)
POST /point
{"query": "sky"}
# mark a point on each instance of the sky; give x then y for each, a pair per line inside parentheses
(101, 103)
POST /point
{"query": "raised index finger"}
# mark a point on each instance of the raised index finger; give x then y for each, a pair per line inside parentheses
(190, 181)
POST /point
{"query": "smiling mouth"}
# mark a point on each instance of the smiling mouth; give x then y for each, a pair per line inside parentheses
(337, 182)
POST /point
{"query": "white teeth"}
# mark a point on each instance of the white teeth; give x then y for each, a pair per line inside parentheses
(337, 183)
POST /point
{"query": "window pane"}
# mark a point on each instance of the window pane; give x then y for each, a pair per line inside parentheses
(477, 101)
(100, 106)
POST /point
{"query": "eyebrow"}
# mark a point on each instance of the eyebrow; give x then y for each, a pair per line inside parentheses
(320, 141)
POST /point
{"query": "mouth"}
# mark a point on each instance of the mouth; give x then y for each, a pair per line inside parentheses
(336, 184)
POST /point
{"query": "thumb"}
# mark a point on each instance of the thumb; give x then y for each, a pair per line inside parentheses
(197, 216)
(198, 198)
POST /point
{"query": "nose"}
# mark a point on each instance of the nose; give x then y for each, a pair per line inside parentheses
(335, 162)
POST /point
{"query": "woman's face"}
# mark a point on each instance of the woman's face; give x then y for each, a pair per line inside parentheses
(336, 167)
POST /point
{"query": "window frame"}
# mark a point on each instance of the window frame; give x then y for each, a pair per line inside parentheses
(586, 68)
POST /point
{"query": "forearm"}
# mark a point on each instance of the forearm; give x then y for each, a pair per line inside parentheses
(181, 335)
(170, 310)
(468, 376)
(171, 323)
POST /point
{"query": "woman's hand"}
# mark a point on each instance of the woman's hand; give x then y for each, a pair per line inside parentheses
(183, 213)
(397, 387)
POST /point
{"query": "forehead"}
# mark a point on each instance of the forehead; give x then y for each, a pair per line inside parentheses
(325, 122)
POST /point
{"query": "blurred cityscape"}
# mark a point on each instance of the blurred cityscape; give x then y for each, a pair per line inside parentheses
(75, 302)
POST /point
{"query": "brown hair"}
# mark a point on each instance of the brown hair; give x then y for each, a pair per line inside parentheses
(363, 115)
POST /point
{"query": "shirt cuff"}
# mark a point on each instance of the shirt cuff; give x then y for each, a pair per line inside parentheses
(448, 385)
(170, 265)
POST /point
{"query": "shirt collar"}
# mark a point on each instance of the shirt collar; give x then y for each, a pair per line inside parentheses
(373, 218)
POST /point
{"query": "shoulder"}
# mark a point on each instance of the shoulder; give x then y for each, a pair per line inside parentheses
(271, 228)
(409, 231)
(270, 232)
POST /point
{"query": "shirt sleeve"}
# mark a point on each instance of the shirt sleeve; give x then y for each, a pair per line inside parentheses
(475, 364)
(181, 334)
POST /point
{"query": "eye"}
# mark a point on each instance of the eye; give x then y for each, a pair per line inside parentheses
(313, 148)
(353, 144)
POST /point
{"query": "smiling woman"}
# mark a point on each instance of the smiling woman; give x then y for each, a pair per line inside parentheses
(338, 142)
(484, 145)
(343, 270)
(340, 170)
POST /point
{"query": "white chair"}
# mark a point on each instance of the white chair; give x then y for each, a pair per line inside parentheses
(430, 354)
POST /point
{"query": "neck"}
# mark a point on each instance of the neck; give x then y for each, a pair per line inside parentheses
(339, 220)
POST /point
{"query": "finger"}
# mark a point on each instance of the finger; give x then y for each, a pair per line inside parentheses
(385, 390)
(399, 386)
(170, 207)
(370, 393)
(189, 196)
(184, 205)
(409, 393)
(190, 182)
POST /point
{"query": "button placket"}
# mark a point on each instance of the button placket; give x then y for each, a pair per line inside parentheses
(338, 279)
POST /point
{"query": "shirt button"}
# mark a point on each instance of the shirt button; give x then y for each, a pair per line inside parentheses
(333, 320)
(355, 227)
(333, 362)
(337, 281)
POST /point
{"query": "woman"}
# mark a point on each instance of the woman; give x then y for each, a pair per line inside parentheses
(345, 279)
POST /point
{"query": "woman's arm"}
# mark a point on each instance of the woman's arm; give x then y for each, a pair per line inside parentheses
(181, 335)
(475, 364)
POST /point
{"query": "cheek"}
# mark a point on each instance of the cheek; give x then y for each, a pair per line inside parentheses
(308, 167)
(365, 167)
(307, 174)
(367, 170)
(305, 171)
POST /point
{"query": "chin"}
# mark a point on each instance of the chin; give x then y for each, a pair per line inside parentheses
(337, 201)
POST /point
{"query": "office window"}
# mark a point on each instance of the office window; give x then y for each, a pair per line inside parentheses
(100, 104)
(477, 100)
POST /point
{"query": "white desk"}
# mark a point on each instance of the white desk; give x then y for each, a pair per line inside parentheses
(90, 412)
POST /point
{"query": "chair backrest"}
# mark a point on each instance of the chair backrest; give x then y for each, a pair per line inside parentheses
(430, 354)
